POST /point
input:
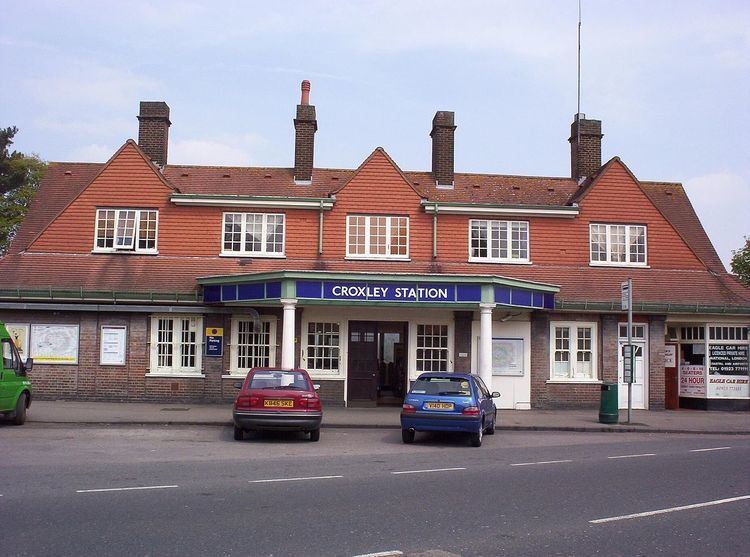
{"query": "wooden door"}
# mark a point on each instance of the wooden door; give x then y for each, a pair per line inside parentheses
(362, 362)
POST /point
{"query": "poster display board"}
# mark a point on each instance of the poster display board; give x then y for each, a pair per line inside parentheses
(729, 371)
(19, 332)
(214, 341)
(692, 381)
(670, 355)
(507, 356)
(54, 344)
(112, 348)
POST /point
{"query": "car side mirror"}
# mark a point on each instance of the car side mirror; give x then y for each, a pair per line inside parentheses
(495, 394)
(316, 387)
(238, 384)
(27, 365)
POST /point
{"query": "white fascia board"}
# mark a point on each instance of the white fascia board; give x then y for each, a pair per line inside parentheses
(281, 202)
(520, 211)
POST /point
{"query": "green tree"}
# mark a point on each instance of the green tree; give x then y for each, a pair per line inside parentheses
(19, 177)
(741, 262)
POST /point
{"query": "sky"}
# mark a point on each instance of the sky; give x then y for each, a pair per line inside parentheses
(671, 86)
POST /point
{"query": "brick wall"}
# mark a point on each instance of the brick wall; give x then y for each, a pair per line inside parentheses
(656, 334)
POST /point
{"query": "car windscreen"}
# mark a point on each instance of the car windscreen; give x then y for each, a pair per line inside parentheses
(441, 386)
(278, 379)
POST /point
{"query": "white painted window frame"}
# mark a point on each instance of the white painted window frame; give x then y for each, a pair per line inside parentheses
(608, 245)
(388, 238)
(509, 232)
(305, 345)
(573, 352)
(234, 370)
(133, 247)
(244, 252)
(176, 370)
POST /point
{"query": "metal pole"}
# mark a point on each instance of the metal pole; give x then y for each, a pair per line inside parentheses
(630, 346)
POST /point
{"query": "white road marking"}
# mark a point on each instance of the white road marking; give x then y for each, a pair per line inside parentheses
(394, 553)
(427, 471)
(669, 510)
(711, 449)
(633, 455)
(293, 479)
(540, 462)
(126, 488)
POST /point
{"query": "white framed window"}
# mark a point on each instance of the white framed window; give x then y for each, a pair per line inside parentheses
(730, 333)
(323, 347)
(638, 332)
(618, 244)
(573, 353)
(432, 348)
(176, 344)
(133, 230)
(377, 237)
(498, 241)
(252, 348)
(260, 234)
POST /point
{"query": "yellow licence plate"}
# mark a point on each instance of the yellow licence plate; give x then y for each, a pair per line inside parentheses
(439, 405)
(278, 403)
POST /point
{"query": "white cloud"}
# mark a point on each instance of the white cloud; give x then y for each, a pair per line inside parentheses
(96, 128)
(93, 153)
(722, 201)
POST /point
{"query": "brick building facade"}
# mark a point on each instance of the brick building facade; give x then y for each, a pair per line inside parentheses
(140, 280)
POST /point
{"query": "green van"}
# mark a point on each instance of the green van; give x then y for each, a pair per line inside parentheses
(15, 386)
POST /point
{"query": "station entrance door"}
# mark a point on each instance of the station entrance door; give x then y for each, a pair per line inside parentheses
(377, 361)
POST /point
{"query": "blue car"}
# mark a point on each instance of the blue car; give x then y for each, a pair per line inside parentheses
(449, 402)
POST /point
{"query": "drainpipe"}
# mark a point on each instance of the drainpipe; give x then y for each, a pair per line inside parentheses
(434, 230)
(320, 229)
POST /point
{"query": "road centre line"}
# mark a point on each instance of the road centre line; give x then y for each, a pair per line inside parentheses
(669, 510)
(540, 462)
(126, 488)
(394, 553)
(427, 471)
(293, 479)
(632, 455)
(710, 449)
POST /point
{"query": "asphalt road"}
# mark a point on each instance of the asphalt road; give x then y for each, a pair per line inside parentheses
(163, 491)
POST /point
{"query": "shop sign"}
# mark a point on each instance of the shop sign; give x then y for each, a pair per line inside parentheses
(728, 371)
(214, 341)
(670, 355)
(385, 292)
(692, 381)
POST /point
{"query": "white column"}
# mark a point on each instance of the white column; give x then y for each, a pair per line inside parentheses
(485, 343)
(287, 334)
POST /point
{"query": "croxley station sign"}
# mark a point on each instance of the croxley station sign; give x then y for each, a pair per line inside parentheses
(389, 292)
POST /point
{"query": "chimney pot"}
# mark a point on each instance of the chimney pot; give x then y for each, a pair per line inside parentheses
(153, 131)
(305, 92)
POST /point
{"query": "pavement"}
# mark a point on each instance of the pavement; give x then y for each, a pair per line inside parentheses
(220, 414)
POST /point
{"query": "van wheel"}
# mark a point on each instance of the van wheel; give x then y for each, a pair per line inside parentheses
(315, 435)
(407, 435)
(20, 416)
(239, 435)
(476, 438)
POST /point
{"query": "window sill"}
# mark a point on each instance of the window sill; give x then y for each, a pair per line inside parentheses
(573, 381)
(253, 255)
(500, 261)
(325, 377)
(375, 258)
(122, 252)
(232, 375)
(620, 265)
(185, 375)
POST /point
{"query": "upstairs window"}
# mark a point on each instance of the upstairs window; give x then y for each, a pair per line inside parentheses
(260, 234)
(132, 230)
(618, 244)
(499, 241)
(377, 237)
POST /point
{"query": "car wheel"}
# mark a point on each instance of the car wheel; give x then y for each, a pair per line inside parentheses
(407, 435)
(476, 438)
(315, 435)
(239, 434)
(491, 429)
(20, 416)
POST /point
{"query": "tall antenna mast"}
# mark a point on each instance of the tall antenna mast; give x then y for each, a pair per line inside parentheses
(578, 109)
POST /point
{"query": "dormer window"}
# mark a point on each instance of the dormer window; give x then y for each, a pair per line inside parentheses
(126, 230)
(618, 244)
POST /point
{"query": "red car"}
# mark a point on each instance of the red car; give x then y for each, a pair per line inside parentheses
(277, 399)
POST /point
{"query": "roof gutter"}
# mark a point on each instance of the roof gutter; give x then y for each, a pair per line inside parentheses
(651, 307)
(558, 211)
(201, 200)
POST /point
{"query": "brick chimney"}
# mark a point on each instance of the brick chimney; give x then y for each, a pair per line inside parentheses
(153, 131)
(442, 148)
(586, 152)
(305, 126)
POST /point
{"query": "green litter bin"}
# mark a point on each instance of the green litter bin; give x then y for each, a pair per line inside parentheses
(608, 412)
